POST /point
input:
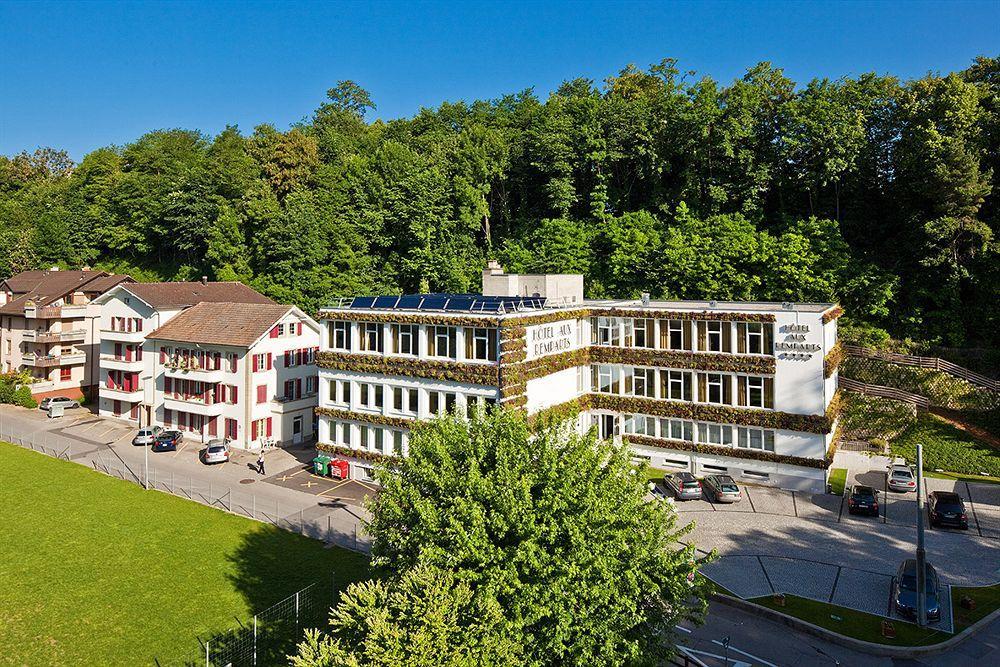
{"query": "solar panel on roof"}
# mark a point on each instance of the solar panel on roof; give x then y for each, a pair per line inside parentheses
(475, 303)
(385, 302)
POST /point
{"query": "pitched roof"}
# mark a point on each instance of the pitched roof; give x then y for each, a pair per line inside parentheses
(44, 287)
(180, 295)
(210, 323)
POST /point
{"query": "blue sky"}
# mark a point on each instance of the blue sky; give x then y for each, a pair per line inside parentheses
(87, 74)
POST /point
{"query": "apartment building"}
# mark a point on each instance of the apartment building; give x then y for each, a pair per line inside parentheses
(49, 328)
(747, 389)
(241, 371)
(128, 313)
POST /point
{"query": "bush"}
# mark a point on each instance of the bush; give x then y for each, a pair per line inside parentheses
(22, 396)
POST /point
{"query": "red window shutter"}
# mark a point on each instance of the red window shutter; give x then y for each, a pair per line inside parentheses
(288, 359)
(269, 427)
(128, 353)
(118, 350)
(274, 331)
(111, 379)
(138, 324)
(235, 393)
(212, 429)
(138, 353)
(218, 394)
(163, 356)
(298, 357)
(117, 409)
(255, 369)
(300, 328)
(261, 393)
(182, 420)
(134, 412)
(298, 388)
(269, 366)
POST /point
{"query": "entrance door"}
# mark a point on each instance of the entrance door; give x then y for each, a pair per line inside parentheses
(607, 426)
(297, 430)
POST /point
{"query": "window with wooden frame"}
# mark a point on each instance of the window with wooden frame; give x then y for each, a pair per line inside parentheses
(640, 382)
(714, 336)
(371, 337)
(442, 342)
(675, 385)
(643, 332)
(404, 339)
(714, 388)
(481, 343)
(605, 331)
(754, 337)
(340, 335)
(754, 391)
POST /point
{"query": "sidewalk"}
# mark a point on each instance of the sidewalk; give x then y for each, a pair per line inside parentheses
(105, 445)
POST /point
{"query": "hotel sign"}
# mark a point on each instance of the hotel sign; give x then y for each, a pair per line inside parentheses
(546, 339)
(794, 345)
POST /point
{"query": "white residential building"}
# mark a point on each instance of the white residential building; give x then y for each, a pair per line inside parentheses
(746, 389)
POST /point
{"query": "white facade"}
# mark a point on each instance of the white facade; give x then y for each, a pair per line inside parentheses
(776, 352)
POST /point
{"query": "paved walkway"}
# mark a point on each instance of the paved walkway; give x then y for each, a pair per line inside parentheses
(105, 444)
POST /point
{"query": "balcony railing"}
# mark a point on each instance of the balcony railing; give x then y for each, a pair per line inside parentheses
(55, 312)
(54, 336)
(124, 336)
(49, 360)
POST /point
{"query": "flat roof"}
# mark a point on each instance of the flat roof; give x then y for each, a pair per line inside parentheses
(729, 306)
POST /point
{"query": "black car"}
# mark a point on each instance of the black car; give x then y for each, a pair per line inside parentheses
(904, 595)
(862, 500)
(947, 509)
(167, 441)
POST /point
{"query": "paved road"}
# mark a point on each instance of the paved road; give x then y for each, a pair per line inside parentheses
(91, 440)
(761, 642)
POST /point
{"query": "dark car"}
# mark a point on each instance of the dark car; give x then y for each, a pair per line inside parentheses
(904, 596)
(721, 489)
(167, 441)
(862, 500)
(683, 485)
(947, 509)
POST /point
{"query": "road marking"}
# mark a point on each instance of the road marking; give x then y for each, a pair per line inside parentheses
(687, 652)
(748, 655)
(285, 478)
(180, 449)
(309, 484)
(332, 488)
(747, 489)
(733, 661)
(682, 629)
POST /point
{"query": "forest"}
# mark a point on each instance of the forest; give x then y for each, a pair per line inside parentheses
(873, 191)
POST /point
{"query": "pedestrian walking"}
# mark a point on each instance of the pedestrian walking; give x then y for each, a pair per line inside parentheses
(260, 463)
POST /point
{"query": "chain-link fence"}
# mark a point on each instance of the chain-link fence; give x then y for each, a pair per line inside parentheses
(315, 522)
(270, 635)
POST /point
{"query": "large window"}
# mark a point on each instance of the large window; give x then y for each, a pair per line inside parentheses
(675, 385)
(643, 332)
(715, 336)
(754, 337)
(370, 395)
(441, 342)
(640, 382)
(715, 388)
(606, 378)
(755, 391)
(674, 335)
(404, 338)
(405, 400)
(340, 335)
(481, 343)
(606, 331)
(640, 425)
(677, 429)
(715, 434)
(441, 401)
(371, 337)
(756, 438)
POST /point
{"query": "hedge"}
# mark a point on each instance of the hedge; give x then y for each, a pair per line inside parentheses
(833, 358)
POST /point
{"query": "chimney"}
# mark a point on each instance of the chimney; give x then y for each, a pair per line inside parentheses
(204, 280)
(493, 268)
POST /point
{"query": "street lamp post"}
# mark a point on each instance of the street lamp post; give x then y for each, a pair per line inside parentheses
(921, 555)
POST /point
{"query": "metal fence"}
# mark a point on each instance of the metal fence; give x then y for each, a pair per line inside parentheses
(314, 522)
(920, 402)
(933, 363)
(270, 635)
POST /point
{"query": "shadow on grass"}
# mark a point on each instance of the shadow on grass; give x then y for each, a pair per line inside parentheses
(290, 582)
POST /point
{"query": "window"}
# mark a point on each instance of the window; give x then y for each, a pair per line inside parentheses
(404, 400)
(756, 475)
(397, 398)
(756, 392)
(642, 332)
(414, 400)
(756, 438)
(262, 362)
(715, 434)
(640, 425)
(441, 342)
(364, 398)
(715, 336)
(606, 378)
(340, 335)
(677, 429)
(261, 394)
(640, 382)
(311, 383)
(404, 338)
(481, 343)
(370, 395)
(65, 374)
(397, 443)
(606, 331)
(371, 336)
(230, 428)
(675, 385)
(715, 388)
(441, 401)
(755, 338)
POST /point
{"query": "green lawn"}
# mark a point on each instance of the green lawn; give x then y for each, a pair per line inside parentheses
(838, 478)
(987, 600)
(946, 447)
(851, 623)
(97, 571)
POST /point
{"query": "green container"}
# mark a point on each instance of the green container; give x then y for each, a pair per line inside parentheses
(321, 465)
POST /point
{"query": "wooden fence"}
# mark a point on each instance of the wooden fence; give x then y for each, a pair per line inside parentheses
(920, 402)
(932, 363)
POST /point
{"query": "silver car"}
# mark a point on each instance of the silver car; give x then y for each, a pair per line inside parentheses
(900, 478)
(217, 451)
(147, 435)
(683, 485)
(722, 489)
(63, 401)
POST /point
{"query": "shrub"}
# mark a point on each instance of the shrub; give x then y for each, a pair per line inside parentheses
(22, 396)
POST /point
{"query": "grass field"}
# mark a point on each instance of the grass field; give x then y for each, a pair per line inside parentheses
(987, 600)
(97, 571)
(838, 478)
(947, 447)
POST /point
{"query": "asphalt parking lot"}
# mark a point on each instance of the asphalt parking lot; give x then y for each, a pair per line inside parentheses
(349, 492)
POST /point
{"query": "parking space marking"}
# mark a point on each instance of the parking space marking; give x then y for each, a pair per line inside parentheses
(180, 449)
(752, 508)
(972, 506)
(285, 478)
(795, 507)
(766, 576)
(333, 488)
(309, 484)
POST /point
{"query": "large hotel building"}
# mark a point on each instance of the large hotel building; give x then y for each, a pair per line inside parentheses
(746, 389)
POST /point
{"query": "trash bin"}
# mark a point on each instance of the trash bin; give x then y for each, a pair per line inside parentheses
(339, 469)
(321, 465)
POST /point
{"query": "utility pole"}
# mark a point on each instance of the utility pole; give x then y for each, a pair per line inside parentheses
(921, 555)
(145, 462)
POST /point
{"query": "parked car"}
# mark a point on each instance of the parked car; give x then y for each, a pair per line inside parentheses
(64, 402)
(217, 451)
(900, 478)
(167, 441)
(683, 485)
(722, 489)
(862, 500)
(904, 596)
(147, 435)
(946, 508)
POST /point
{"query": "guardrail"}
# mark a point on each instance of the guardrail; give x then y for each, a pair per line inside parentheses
(932, 363)
(921, 402)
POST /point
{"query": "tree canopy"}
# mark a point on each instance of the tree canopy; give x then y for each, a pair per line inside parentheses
(869, 190)
(548, 535)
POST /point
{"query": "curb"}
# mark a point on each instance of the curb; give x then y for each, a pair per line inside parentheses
(849, 642)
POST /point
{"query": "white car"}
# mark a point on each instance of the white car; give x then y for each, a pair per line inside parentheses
(216, 451)
(147, 435)
(64, 402)
(900, 478)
